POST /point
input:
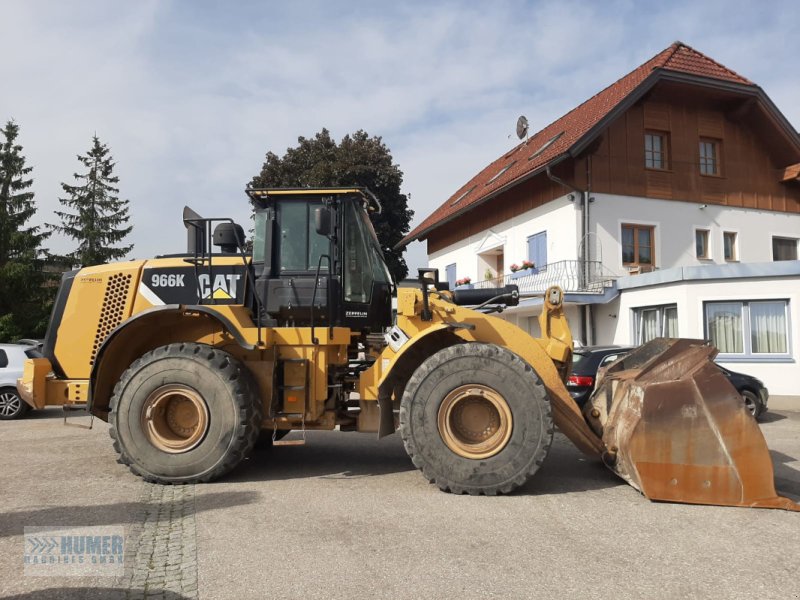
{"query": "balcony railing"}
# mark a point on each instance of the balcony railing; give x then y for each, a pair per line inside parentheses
(572, 275)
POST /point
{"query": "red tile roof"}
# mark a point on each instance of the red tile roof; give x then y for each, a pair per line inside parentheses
(557, 138)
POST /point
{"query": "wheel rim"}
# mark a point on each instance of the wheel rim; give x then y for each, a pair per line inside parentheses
(174, 418)
(475, 421)
(10, 404)
(749, 404)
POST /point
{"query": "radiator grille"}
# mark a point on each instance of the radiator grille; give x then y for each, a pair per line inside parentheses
(113, 310)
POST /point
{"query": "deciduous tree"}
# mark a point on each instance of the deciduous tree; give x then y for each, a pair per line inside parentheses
(358, 160)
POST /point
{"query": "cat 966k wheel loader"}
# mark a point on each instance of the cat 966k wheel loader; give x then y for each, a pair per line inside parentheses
(190, 357)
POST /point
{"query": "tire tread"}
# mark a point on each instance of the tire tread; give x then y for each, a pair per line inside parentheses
(245, 393)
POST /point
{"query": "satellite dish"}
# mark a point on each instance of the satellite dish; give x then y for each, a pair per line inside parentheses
(522, 127)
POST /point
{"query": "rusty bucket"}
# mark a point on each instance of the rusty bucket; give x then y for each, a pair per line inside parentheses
(677, 430)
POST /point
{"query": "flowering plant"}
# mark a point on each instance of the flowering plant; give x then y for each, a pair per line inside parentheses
(464, 281)
(526, 264)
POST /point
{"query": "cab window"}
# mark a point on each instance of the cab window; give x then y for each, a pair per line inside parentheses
(300, 246)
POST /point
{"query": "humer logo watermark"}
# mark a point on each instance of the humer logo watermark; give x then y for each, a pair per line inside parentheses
(60, 551)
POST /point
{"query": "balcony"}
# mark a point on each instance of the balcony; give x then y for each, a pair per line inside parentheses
(574, 276)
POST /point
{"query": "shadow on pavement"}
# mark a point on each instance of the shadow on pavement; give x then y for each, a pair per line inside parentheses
(567, 470)
(781, 458)
(327, 454)
(787, 479)
(771, 417)
(99, 593)
(53, 412)
(119, 513)
(346, 455)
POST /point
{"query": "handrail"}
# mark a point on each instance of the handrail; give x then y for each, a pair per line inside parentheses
(571, 275)
(206, 258)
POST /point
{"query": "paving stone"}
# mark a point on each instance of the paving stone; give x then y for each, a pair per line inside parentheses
(161, 556)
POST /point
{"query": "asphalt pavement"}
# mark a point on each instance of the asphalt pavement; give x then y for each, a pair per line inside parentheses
(348, 516)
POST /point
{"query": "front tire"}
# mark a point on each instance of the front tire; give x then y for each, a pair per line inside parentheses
(11, 405)
(185, 413)
(475, 418)
(752, 403)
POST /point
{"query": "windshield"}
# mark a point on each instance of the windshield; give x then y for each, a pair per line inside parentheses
(380, 269)
(363, 260)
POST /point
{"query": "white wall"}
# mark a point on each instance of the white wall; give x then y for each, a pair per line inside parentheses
(675, 224)
(560, 218)
(782, 378)
(527, 319)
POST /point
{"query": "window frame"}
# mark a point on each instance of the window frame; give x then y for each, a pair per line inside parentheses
(787, 239)
(735, 246)
(636, 227)
(747, 354)
(664, 152)
(638, 312)
(716, 145)
(500, 173)
(707, 232)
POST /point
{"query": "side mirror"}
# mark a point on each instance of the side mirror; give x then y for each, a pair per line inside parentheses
(322, 220)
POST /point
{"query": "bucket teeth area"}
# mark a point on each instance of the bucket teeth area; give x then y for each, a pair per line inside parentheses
(678, 431)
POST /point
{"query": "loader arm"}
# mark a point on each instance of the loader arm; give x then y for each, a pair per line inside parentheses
(663, 418)
(549, 356)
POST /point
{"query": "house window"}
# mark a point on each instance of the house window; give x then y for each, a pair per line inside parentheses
(655, 321)
(709, 157)
(450, 272)
(784, 248)
(749, 328)
(537, 249)
(701, 243)
(655, 150)
(729, 245)
(638, 245)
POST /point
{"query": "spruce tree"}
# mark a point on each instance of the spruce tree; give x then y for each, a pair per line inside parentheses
(23, 299)
(95, 215)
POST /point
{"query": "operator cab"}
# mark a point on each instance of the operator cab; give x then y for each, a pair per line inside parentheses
(317, 259)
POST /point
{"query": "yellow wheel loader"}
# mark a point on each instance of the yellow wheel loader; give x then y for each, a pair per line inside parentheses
(191, 357)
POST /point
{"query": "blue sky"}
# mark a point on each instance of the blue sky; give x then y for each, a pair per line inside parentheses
(190, 96)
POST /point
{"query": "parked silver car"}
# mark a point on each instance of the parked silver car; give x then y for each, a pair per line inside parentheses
(12, 359)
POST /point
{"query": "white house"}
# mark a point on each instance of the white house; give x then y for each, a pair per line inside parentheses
(667, 204)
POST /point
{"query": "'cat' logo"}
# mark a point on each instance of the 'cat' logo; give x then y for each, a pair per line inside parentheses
(223, 288)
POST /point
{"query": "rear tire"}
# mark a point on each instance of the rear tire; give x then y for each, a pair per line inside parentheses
(752, 403)
(11, 405)
(475, 418)
(185, 413)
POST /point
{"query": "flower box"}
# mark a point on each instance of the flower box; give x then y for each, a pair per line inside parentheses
(465, 286)
(524, 273)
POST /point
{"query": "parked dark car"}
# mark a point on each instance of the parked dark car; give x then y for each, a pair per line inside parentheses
(585, 362)
(588, 359)
(752, 390)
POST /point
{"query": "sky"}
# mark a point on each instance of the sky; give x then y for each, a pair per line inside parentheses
(190, 95)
